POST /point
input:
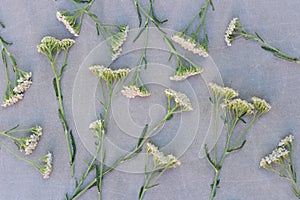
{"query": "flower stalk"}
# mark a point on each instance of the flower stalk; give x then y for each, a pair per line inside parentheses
(161, 163)
(14, 93)
(177, 103)
(234, 110)
(235, 31)
(193, 42)
(52, 48)
(183, 70)
(281, 162)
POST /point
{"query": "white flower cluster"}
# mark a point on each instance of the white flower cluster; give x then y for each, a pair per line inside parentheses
(46, 170)
(31, 142)
(23, 83)
(160, 158)
(230, 30)
(239, 107)
(117, 42)
(189, 44)
(275, 156)
(12, 99)
(287, 140)
(280, 152)
(261, 105)
(109, 75)
(181, 99)
(69, 22)
(184, 75)
(220, 92)
(132, 91)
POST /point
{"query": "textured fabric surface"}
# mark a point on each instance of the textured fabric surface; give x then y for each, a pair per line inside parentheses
(244, 67)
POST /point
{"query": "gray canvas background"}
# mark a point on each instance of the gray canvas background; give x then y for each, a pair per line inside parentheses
(243, 66)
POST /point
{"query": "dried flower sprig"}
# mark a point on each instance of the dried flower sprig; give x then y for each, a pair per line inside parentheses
(23, 79)
(137, 88)
(183, 71)
(25, 144)
(45, 168)
(72, 19)
(52, 48)
(193, 42)
(177, 103)
(161, 163)
(281, 162)
(232, 110)
(235, 30)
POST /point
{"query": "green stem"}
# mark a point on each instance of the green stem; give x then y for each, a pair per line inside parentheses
(62, 110)
(20, 157)
(220, 164)
(10, 136)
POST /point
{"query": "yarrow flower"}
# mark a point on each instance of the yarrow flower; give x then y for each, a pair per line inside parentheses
(109, 75)
(183, 72)
(70, 21)
(46, 169)
(11, 99)
(117, 42)
(23, 82)
(132, 91)
(190, 44)
(164, 161)
(48, 45)
(287, 140)
(239, 107)
(180, 99)
(275, 156)
(29, 144)
(220, 92)
(230, 31)
(66, 43)
(261, 105)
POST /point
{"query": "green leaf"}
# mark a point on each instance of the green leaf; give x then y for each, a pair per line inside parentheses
(212, 5)
(152, 186)
(55, 87)
(139, 34)
(269, 49)
(2, 25)
(66, 197)
(154, 15)
(62, 70)
(139, 13)
(141, 192)
(281, 56)
(98, 178)
(141, 138)
(11, 129)
(208, 157)
(238, 148)
(73, 143)
(97, 29)
(260, 38)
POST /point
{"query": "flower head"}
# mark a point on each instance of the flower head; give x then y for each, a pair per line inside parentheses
(132, 91)
(11, 99)
(190, 44)
(48, 45)
(70, 21)
(274, 157)
(29, 144)
(66, 43)
(220, 92)
(183, 73)
(46, 169)
(260, 105)
(230, 31)
(23, 81)
(117, 42)
(180, 99)
(109, 75)
(164, 161)
(287, 140)
(239, 107)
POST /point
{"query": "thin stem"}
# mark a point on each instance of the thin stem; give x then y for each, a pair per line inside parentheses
(62, 113)
(9, 136)
(18, 156)
(215, 184)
